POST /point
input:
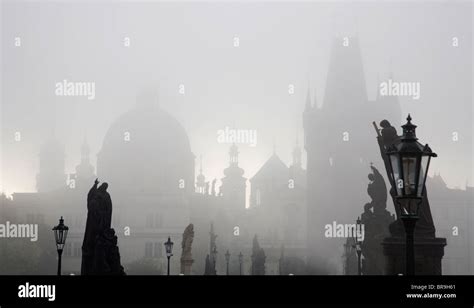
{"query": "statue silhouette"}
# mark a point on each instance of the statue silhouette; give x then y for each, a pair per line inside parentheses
(100, 254)
(389, 133)
(377, 190)
(376, 224)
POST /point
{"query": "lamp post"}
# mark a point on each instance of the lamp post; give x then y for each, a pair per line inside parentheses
(214, 258)
(358, 246)
(227, 259)
(241, 260)
(169, 252)
(60, 235)
(409, 163)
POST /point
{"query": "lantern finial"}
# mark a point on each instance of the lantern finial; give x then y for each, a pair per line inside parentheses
(409, 130)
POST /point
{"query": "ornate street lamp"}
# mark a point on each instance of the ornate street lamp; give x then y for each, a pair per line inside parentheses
(227, 259)
(169, 252)
(60, 235)
(409, 163)
(241, 260)
(358, 245)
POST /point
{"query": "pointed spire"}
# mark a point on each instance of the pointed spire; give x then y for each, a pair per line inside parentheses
(201, 180)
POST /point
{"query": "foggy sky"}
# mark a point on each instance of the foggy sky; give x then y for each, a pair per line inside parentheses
(192, 44)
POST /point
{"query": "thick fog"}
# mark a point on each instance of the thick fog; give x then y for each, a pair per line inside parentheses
(237, 65)
(247, 87)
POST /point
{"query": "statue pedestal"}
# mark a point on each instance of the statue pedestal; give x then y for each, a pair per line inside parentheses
(428, 255)
(186, 265)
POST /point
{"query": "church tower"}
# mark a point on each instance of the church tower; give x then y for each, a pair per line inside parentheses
(51, 174)
(234, 184)
(340, 143)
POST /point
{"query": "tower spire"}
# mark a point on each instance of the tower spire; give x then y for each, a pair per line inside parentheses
(201, 180)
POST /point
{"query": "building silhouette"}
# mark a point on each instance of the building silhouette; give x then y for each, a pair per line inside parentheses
(340, 144)
(147, 160)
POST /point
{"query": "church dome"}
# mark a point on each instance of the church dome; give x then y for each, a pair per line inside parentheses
(146, 150)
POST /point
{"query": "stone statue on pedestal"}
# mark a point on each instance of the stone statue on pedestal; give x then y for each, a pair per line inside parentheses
(186, 255)
(376, 220)
(100, 253)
